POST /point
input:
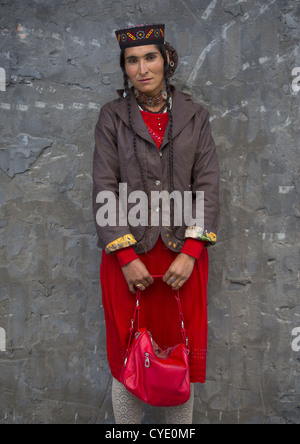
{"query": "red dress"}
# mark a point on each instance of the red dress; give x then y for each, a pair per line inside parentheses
(159, 312)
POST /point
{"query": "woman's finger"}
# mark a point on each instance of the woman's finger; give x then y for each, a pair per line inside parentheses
(178, 284)
(172, 280)
(140, 286)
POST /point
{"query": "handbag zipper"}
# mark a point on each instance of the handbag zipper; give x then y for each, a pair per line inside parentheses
(147, 360)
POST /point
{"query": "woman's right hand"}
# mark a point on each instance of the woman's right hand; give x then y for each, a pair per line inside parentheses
(136, 273)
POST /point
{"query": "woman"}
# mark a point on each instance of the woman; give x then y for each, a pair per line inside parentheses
(153, 138)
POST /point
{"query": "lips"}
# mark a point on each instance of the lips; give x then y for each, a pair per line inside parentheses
(145, 80)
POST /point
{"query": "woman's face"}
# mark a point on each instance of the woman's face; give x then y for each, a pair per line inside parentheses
(144, 67)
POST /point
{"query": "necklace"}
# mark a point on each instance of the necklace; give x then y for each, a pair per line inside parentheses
(150, 101)
(143, 108)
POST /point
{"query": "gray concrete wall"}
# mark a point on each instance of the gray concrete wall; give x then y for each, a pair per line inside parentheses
(61, 65)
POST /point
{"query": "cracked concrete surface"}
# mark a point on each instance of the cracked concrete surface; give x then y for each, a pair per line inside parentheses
(61, 65)
(19, 158)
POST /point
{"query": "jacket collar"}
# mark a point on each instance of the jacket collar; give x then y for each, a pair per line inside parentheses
(183, 109)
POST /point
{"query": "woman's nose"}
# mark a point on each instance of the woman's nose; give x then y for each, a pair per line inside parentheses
(143, 69)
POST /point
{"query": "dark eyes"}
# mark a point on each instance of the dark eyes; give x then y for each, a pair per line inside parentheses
(148, 58)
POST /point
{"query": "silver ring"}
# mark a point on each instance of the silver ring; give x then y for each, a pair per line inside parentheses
(172, 281)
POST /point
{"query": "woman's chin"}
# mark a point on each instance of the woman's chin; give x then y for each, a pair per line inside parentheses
(148, 89)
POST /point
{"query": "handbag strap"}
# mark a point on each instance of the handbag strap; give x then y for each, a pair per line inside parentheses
(136, 316)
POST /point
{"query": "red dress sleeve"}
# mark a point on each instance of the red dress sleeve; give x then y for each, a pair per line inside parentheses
(126, 255)
(193, 247)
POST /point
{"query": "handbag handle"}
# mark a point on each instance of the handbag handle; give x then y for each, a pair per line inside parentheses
(136, 315)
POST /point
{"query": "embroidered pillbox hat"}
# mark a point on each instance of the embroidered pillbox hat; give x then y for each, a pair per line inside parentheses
(141, 35)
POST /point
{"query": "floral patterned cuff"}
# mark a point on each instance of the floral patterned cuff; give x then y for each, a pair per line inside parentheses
(201, 234)
(122, 242)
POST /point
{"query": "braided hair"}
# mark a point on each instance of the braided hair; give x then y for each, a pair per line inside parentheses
(167, 73)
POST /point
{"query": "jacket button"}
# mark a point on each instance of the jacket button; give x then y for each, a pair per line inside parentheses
(157, 182)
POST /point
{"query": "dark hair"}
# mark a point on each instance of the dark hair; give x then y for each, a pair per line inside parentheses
(163, 52)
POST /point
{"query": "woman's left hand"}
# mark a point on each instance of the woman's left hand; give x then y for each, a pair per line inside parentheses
(179, 271)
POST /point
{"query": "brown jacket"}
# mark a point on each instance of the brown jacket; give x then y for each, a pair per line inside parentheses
(195, 168)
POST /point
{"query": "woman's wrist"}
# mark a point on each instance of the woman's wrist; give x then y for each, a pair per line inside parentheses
(126, 255)
(193, 248)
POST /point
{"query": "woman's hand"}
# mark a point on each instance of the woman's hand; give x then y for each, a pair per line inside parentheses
(179, 271)
(136, 273)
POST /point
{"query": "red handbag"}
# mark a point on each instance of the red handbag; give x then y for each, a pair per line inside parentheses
(155, 376)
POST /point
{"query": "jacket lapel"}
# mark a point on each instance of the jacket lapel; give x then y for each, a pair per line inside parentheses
(183, 110)
(137, 120)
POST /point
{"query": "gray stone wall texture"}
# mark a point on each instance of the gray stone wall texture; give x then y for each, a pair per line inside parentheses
(60, 60)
